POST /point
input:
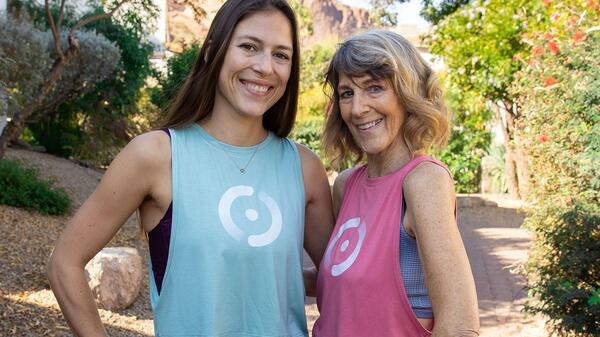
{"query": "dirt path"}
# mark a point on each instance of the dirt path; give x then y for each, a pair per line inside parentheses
(495, 242)
(492, 235)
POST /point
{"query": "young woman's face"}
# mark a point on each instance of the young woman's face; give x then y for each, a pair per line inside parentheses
(257, 64)
(372, 112)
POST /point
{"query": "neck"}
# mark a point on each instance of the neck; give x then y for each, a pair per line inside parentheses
(234, 131)
(389, 160)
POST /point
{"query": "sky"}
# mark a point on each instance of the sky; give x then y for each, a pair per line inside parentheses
(407, 12)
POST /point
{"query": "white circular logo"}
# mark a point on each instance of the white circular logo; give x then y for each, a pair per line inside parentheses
(339, 268)
(257, 240)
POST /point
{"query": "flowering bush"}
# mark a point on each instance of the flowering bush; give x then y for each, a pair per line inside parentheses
(559, 93)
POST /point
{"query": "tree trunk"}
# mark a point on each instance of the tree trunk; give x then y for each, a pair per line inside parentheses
(14, 128)
(509, 157)
(3, 107)
(522, 170)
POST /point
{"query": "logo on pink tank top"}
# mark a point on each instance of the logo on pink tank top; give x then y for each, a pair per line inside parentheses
(349, 230)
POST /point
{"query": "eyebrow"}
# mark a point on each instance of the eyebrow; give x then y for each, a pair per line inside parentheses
(257, 40)
(361, 83)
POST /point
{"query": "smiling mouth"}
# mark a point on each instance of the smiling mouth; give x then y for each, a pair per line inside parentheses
(256, 88)
(367, 126)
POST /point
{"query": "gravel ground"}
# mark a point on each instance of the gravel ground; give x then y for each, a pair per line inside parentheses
(27, 306)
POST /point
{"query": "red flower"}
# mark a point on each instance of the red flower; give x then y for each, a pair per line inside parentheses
(578, 36)
(553, 46)
(537, 50)
(573, 20)
(542, 139)
(549, 36)
(548, 2)
(550, 81)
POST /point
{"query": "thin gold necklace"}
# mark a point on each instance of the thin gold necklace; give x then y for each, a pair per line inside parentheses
(242, 168)
(220, 145)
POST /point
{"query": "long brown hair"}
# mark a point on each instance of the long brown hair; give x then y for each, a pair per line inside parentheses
(196, 97)
(387, 55)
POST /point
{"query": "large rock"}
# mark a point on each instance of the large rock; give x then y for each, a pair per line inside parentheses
(115, 277)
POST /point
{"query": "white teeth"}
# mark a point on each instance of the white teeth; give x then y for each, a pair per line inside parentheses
(256, 87)
(369, 125)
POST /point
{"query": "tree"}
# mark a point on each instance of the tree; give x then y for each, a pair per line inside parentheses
(62, 57)
(432, 11)
(482, 49)
(382, 13)
(93, 125)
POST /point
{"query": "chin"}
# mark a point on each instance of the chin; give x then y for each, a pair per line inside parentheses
(373, 149)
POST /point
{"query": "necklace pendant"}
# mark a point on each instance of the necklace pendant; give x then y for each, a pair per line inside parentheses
(242, 170)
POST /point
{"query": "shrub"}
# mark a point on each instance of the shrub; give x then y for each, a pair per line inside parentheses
(178, 69)
(308, 133)
(559, 92)
(469, 140)
(21, 187)
(95, 123)
(312, 100)
(23, 49)
(32, 50)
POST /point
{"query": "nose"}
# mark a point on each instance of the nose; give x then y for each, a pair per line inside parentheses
(359, 105)
(263, 64)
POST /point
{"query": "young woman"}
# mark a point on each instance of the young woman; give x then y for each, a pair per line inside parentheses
(395, 264)
(226, 199)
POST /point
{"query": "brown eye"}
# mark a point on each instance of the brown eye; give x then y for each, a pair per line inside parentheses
(248, 46)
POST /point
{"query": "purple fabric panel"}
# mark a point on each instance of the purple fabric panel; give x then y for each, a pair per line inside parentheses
(158, 243)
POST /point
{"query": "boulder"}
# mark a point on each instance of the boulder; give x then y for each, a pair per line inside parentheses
(115, 277)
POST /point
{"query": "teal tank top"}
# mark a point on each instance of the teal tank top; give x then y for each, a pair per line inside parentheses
(235, 255)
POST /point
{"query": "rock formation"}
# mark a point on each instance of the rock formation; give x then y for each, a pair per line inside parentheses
(332, 20)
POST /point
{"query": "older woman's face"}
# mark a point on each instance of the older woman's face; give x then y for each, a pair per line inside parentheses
(372, 112)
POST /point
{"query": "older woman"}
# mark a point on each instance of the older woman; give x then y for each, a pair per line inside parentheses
(395, 264)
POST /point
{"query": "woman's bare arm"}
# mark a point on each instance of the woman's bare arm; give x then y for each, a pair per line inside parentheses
(129, 180)
(318, 222)
(430, 199)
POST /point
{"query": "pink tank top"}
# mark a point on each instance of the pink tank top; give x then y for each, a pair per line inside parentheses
(360, 291)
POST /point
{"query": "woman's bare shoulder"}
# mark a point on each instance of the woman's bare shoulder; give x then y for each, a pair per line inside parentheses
(149, 149)
(428, 176)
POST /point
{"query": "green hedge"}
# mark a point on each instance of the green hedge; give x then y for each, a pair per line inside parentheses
(22, 187)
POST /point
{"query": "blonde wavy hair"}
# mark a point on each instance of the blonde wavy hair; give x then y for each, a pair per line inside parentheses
(386, 55)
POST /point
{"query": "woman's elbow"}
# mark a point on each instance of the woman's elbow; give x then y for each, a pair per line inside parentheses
(465, 327)
(53, 269)
(56, 268)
